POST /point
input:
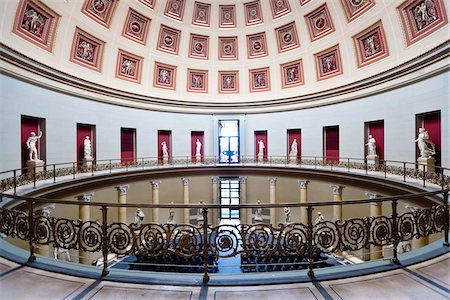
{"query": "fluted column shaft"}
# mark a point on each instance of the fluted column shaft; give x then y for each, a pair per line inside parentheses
(272, 199)
(185, 182)
(303, 199)
(84, 214)
(155, 197)
(122, 199)
(215, 194)
(244, 212)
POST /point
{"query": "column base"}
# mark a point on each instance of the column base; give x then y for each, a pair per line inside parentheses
(373, 160)
(428, 162)
(35, 166)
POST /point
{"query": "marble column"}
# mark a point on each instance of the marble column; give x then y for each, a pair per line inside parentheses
(337, 197)
(244, 213)
(84, 214)
(272, 199)
(155, 197)
(376, 210)
(215, 199)
(186, 182)
(122, 199)
(303, 199)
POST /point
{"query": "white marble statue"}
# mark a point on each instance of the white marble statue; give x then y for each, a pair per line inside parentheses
(87, 148)
(371, 146)
(200, 212)
(294, 148)
(426, 146)
(287, 213)
(139, 217)
(31, 145)
(258, 212)
(261, 147)
(61, 254)
(165, 150)
(171, 220)
(198, 148)
(319, 218)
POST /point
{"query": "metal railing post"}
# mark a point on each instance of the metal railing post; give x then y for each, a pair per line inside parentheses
(424, 175)
(385, 169)
(395, 235)
(105, 243)
(404, 171)
(73, 170)
(34, 177)
(309, 210)
(315, 162)
(366, 166)
(94, 163)
(32, 257)
(15, 181)
(348, 165)
(54, 173)
(205, 245)
(110, 167)
(446, 214)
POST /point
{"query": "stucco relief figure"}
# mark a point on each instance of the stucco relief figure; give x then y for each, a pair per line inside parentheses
(291, 74)
(139, 217)
(328, 64)
(197, 81)
(424, 14)
(294, 148)
(31, 145)
(258, 212)
(371, 146)
(371, 45)
(128, 67)
(261, 147)
(287, 213)
(259, 80)
(198, 148)
(33, 22)
(87, 148)
(164, 76)
(165, 150)
(86, 51)
(227, 82)
(426, 146)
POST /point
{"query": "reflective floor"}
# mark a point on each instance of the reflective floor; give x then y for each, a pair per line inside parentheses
(427, 280)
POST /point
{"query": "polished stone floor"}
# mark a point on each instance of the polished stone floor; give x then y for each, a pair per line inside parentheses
(429, 280)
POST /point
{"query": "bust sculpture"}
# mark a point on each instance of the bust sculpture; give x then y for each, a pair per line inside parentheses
(31, 145)
(371, 146)
(426, 146)
(87, 148)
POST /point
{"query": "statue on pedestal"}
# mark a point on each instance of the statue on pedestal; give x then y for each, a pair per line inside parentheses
(198, 148)
(319, 218)
(139, 218)
(171, 220)
(371, 146)
(87, 148)
(165, 150)
(31, 145)
(426, 146)
(258, 212)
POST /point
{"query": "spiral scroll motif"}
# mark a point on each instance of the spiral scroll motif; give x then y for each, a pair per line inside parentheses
(406, 228)
(225, 239)
(381, 231)
(424, 222)
(354, 234)
(119, 238)
(22, 228)
(326, 236)
(7, 221)
(293, 241)
(187, 241)
(259, 240)
(152, 240)
(65, 234)
(90, 236)
(439, 218)
(42, 230)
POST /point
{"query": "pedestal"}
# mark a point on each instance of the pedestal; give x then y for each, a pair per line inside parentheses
(87, 162)
(428, 162)
(165, 160)
(35, 166)
(373, 160)
(260, 158)
(293, 159)
(198, 159)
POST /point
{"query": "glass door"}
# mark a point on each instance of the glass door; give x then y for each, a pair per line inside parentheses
(229, 141)
(229, 195)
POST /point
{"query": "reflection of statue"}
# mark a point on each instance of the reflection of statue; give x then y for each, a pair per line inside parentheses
(371, 146)
(87, 148)
(287, 213)
(261, 148)
(164, 149)
(31, 144)
(258, 212)
(294, 148)
(319, 218)
(139, 217)
(426, 146)
(171, 220)
(198, 148)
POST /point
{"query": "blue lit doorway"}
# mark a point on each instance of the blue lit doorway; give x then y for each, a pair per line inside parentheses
(229, 141)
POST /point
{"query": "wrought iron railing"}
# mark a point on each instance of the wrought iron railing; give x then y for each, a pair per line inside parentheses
(11, 179)
(150, 240)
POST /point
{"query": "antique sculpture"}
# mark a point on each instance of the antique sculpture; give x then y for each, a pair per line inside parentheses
(261, 147)
(198, 148)
(426, 146)
(171, 220)
(87, 148)
(371, 146)
(258, 212)
(294, 148)
(31, 145)
(165, 150)
(139, 218)
(319, 218)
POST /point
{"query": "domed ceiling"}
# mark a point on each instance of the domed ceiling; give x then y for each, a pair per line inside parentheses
(223, 51)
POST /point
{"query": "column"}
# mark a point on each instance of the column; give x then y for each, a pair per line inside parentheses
(44, 212)
(122, 199)
(272, 199)
(303, 199)
(215, 193)
(376, 210)
(244, 213)
(185, 198)
(337, 197)
(84, 214)
(155, 197)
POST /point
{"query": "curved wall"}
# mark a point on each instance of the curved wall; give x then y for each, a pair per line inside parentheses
(397, 107)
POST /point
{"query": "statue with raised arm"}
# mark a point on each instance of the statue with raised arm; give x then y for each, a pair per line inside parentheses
(198, 148)
(371, 146)
(294, 148)
(87, 148)
(31, 145)
(426, 146)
